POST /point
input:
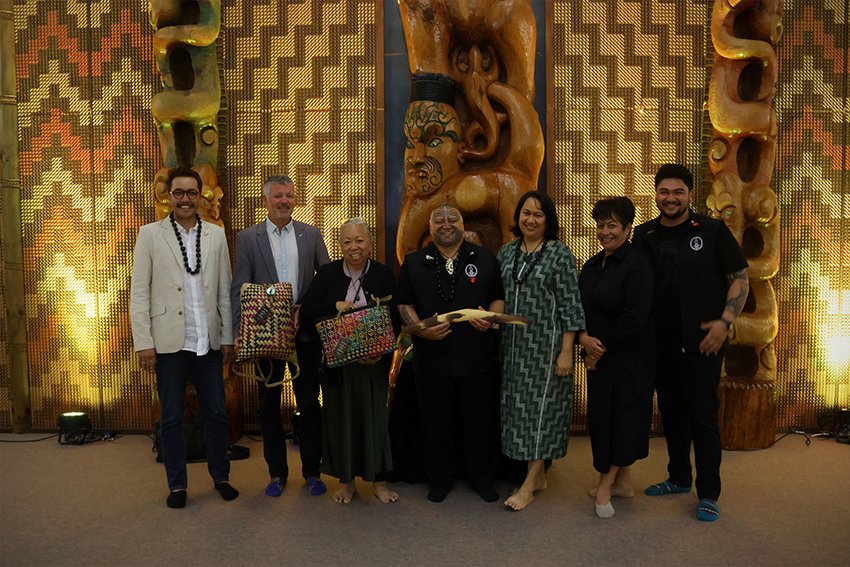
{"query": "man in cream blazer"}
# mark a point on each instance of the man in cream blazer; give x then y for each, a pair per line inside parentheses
(281, 249)
(181, 320)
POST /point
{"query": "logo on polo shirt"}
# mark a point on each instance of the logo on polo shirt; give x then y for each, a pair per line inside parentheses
(696, 243)
(471, 270)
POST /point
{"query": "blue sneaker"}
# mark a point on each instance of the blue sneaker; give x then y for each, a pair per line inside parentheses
(707, 511)
(666, 487)
(275, 487)
(316, 486)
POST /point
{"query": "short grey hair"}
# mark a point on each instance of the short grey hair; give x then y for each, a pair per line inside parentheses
(360, 221)
(276, 180)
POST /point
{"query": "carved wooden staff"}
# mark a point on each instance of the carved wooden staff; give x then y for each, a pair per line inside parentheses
(741, 156)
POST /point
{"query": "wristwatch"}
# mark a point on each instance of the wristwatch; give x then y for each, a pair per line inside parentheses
(730, 325)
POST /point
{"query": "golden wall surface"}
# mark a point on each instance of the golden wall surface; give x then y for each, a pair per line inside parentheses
(300, 97)
(88, 148)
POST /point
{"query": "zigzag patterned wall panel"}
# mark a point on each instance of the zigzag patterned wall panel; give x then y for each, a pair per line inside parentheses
(88, 151)
(629, 88)
(300, 83)
(811, 177)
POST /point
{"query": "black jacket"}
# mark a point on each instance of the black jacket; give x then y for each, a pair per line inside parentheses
(707, 253)
(331, 284)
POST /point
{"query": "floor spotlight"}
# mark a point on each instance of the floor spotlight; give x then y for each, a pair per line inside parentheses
(75, 427)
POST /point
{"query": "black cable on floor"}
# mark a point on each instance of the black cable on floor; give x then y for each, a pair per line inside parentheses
(28, 440)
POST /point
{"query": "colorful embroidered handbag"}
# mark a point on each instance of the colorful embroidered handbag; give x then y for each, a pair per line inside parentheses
(358, 333)
(267, 328)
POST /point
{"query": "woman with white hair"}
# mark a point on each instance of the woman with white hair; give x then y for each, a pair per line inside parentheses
(354, 396)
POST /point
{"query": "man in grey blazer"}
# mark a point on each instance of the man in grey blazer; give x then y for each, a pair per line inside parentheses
(281, 249)
(181, 321)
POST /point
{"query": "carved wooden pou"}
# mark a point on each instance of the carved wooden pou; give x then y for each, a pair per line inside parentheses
(741, 91)
(473, 136)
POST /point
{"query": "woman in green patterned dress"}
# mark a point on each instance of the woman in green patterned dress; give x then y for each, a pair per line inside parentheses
(541, 282)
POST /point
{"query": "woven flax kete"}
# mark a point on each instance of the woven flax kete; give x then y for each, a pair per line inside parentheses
(358, 333)
(267, 329)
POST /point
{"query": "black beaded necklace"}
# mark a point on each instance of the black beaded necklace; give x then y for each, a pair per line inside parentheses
(183, 247)
(520, 280)
(438, 265)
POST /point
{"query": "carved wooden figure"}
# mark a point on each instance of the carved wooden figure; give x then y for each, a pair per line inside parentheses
(741, 155)
(473, 136)
(187, 109)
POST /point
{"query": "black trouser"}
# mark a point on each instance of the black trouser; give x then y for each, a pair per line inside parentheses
(688, 401)
(473, 399)
(306, 388)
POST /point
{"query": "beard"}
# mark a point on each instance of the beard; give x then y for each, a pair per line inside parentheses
(679, 212)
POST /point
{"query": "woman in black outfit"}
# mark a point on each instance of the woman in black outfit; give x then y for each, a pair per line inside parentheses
(617, 294)
(354, 396)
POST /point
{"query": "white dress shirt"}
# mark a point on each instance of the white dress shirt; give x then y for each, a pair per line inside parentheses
(285, 252)
(194, 310)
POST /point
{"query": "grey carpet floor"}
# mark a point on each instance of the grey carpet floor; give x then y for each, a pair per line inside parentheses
(104, 504)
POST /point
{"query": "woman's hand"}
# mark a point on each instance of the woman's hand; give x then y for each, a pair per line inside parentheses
(369, 360)
(590, 362)
(564, 366)
(344, 305)
(592, 345)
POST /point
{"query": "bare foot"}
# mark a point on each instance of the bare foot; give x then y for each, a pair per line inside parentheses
(345, 493)
(521, 498)
(384, 492)
(540, 482)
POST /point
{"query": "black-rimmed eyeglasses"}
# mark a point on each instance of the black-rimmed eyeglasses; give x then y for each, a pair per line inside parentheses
(179, 193)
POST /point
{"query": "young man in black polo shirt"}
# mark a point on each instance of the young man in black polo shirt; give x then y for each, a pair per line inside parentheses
(701, 286)
(456, 365)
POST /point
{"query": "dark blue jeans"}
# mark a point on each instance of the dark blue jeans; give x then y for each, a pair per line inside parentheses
(206, 372)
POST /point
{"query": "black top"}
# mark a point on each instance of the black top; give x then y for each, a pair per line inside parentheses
(705, 252)
(465, 351)
(331, 284)
(618, 299)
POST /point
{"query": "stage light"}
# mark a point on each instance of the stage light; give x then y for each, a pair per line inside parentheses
(75, 427)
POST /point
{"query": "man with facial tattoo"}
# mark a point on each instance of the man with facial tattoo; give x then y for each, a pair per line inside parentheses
(456, 372)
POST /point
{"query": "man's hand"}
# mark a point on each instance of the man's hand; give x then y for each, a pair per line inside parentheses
(344, 305)
(480, 324)
(435, 333)
(717, 333)
(592, 345)
(564, 366)
(147, 359)
(227, 354)
(296, 316)
(369, 359)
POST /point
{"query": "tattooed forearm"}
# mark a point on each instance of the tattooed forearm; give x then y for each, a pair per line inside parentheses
(738, 288)
(405, 315)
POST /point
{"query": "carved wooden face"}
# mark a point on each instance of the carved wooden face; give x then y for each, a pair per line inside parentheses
(433, 145)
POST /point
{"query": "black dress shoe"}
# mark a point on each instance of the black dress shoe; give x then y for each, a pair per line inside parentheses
(438, 494)
(487, 493)
(176, 499)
